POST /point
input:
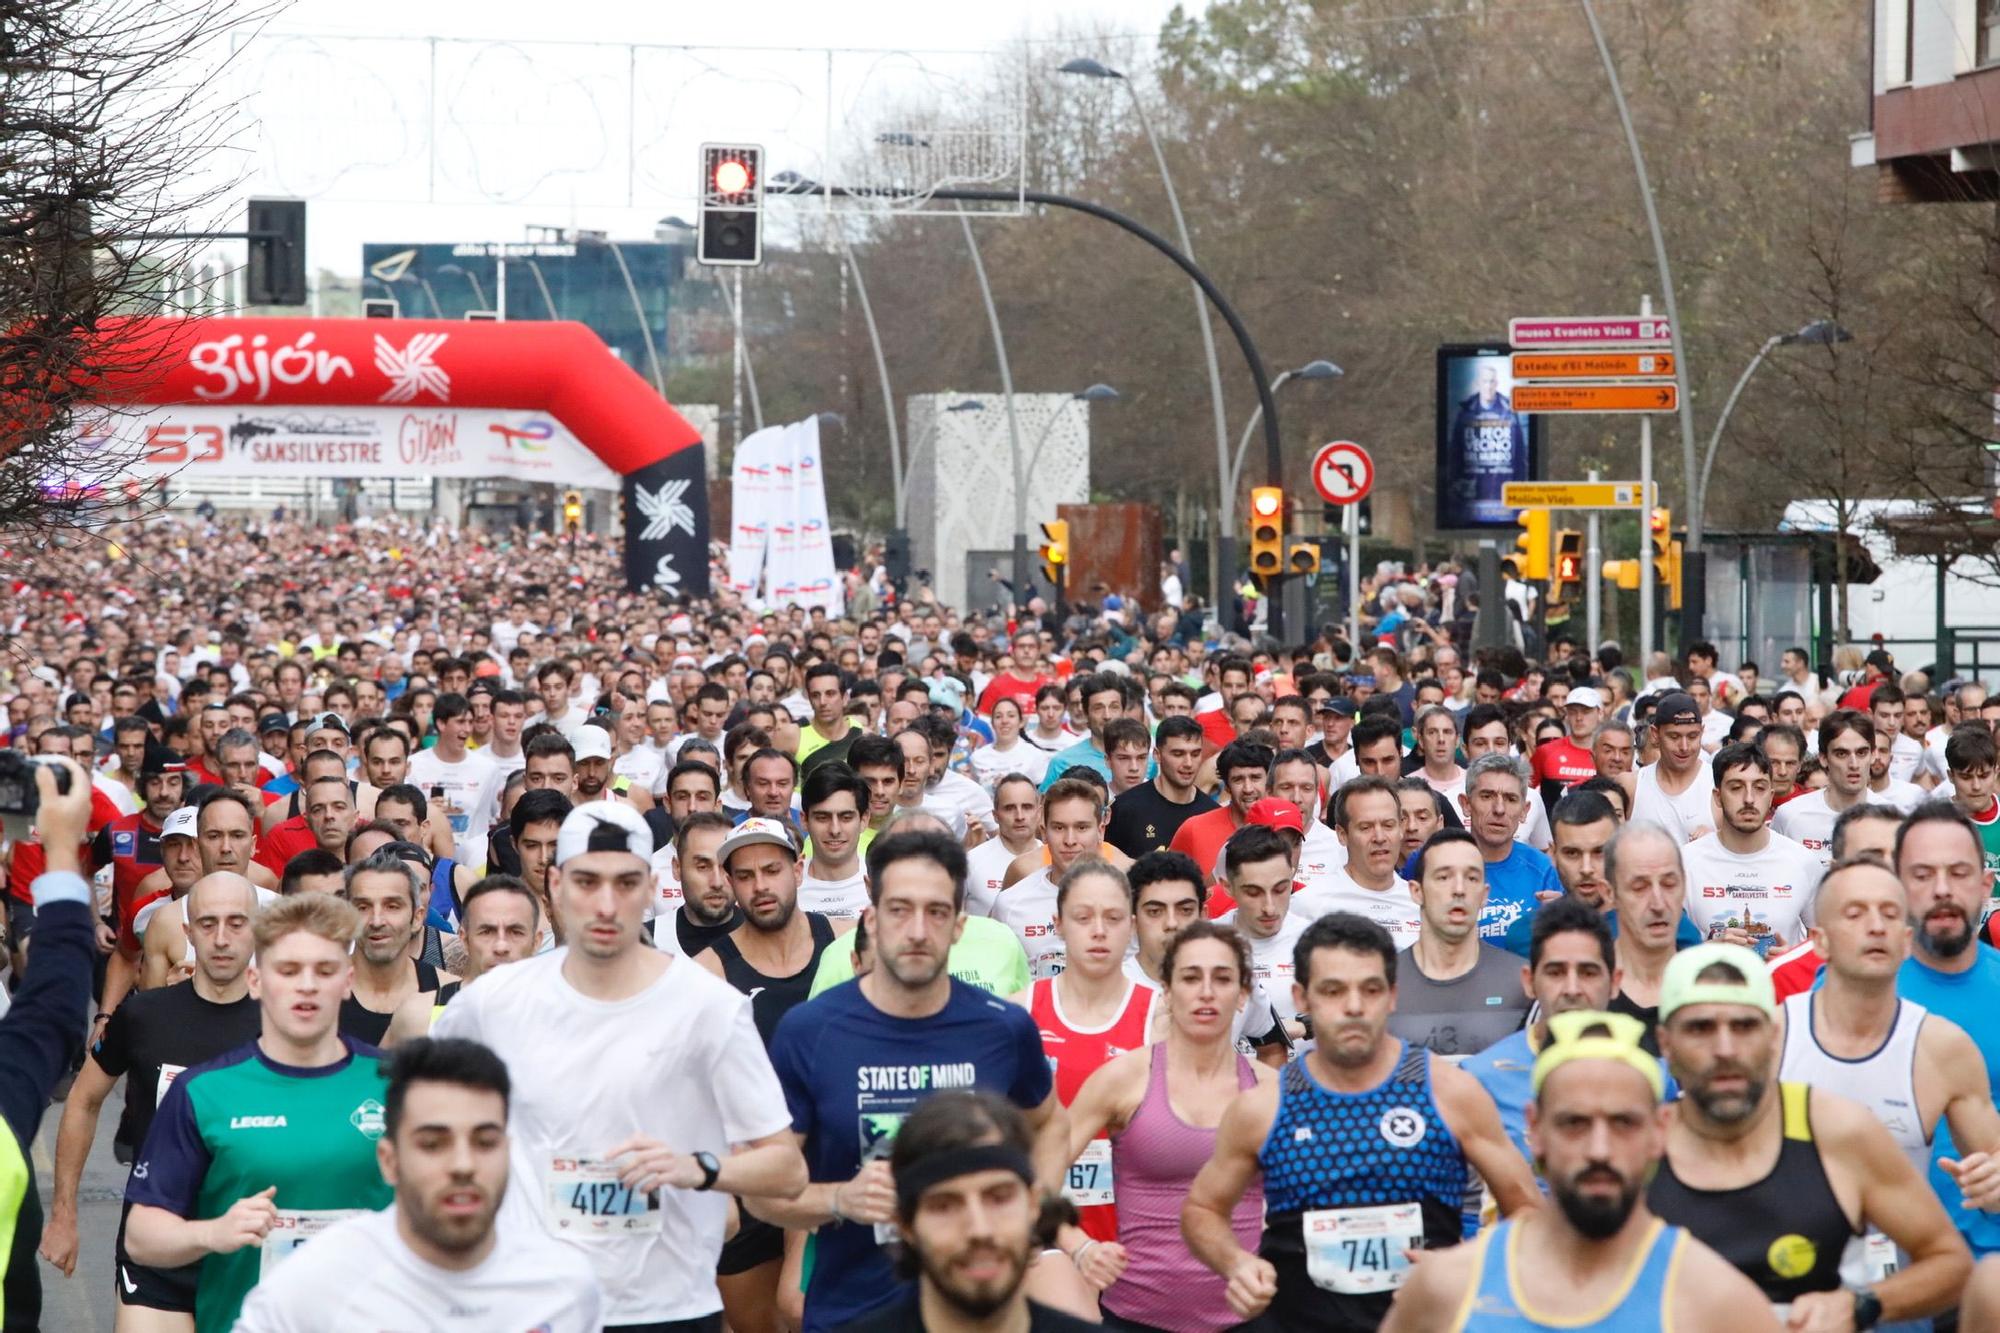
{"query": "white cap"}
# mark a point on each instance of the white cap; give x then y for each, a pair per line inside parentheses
(590, 742)
(180, 824)
(756, 832)
(1584, 697)
(603, 826)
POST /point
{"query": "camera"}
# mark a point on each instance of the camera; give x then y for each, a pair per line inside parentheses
(20, 798)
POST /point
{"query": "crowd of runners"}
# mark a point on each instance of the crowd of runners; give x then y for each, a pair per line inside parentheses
(481, 948)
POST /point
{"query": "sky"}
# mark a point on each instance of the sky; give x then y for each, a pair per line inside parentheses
(510, 118)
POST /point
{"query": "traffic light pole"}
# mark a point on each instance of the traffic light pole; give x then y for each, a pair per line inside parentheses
(1645, 671)
(1274, 454)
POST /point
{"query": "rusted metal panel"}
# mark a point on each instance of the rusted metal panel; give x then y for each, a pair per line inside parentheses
(1114, 548)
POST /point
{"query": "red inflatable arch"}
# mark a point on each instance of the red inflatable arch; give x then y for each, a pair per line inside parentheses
(530, 400)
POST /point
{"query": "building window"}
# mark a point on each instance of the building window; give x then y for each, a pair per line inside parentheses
(1989, 31)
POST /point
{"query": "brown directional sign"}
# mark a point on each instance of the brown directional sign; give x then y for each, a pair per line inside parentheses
(1633, 396)
(1531, 366)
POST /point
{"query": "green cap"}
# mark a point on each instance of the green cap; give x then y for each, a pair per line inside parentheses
(1680, 988)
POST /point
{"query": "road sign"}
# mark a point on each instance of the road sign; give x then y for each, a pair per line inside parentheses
(1631, 396)
(1571, 495)
(1589, 332)
(1343, 473)
(1530, 367)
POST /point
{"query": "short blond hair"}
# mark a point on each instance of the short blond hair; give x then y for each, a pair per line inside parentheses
(320, 914)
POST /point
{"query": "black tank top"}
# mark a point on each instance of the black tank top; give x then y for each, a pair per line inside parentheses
(364, 1024)
(771, 998)
(1786, 1232)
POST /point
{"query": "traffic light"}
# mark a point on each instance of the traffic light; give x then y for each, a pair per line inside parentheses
(1304, 558)
(1624, 573)
(276, 273)
(1666, 556)
(1531, 560)
(1267, 531)
(572, 511)
(1055, 552)
(729, 228)
(1567, 572)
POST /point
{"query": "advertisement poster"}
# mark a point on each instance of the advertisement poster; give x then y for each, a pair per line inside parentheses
(1482, 443)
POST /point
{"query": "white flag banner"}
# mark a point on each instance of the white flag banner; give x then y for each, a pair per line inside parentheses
(751, 482)
(799, 569)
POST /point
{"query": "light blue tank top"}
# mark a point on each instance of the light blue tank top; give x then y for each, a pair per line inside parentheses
(1493, 1307)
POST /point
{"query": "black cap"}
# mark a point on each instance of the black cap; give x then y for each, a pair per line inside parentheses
(1675, 707)
(160, 759)
(271, 722)
(1880, 660)
(1344, 707)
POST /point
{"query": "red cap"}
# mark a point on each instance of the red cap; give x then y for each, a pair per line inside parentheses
(1275, 812)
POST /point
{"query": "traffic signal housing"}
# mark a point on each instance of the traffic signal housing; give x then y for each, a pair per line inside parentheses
(1666, 556)
(1531, 558)
(1622, 573)
(1566, 571)
(572, 512)
(1267, 531)
(1304, 558)
(276, 273)
(1055, 552)
(729, 227)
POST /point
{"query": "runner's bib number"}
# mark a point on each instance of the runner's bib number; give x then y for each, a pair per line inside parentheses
(1359, 1251)
(292, 1228)
(1879, 1254)
(1089, 1182)
(585, 1199)
(168, 1073)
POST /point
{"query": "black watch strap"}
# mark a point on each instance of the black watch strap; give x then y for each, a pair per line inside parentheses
(710, 1170)
(1867, 1309)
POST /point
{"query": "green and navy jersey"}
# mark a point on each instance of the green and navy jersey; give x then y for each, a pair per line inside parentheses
(242, 1123)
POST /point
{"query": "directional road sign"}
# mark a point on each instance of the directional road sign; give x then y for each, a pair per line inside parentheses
(1532, 367)
(1634, 396)
(1589, 332)
(1343, 473)
(1571, 495)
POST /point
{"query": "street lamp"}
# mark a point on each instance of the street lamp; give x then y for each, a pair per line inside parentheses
(1096, 393)
(1226, 552)
(1311, 370)
(1819, 333)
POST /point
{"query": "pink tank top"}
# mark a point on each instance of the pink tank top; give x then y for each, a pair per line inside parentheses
(1154, 1162)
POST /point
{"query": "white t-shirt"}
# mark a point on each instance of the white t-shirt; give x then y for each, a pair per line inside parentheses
(1769, 892)
(507, 764)
(1903, 796)
(990, 764)
(1906, 755)
(1680, 815)
(680, 1062)
(1029, 910)
(972, 801)
(840, 899)
(666, 882)
(1271, 959)
(1320, 858)
(1393, 908)
(1808, 821)
(985, 871)
(529, 1280)
(472, 787)
(644, 767)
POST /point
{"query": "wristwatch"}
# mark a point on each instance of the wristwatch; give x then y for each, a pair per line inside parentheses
(710, 1169)
(1867, 1308)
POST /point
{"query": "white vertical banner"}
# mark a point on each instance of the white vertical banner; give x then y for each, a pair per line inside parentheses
(819, 582)
(750, 485)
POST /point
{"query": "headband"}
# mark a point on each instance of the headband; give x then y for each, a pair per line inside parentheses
(1583, 1034)
(935, 1168)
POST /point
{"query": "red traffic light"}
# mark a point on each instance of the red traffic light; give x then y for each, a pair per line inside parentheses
(732, 176)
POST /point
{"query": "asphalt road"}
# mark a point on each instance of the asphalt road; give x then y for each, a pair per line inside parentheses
(84, 1303)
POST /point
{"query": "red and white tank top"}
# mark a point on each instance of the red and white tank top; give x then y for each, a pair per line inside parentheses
(1074, 1054)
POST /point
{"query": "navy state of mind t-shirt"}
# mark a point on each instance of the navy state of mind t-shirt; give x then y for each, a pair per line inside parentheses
(851, 1073)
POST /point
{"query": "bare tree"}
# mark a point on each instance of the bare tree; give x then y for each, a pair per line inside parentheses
(112, 126)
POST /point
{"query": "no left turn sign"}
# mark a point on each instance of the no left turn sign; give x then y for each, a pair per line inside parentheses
(1343, 473)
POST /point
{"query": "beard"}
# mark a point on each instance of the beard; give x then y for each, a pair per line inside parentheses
(1946, 945)
(913, 972)
(775, 918)
(1594, 1215)
(977, 1300)
(1729, 1108)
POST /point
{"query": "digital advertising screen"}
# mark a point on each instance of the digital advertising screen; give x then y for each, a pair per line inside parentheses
(1482, 443)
